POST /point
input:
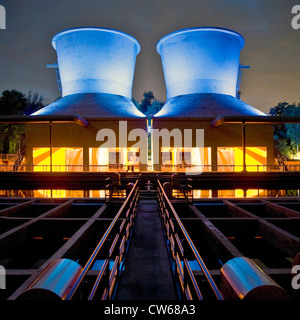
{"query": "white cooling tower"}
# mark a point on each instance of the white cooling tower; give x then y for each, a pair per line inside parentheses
(96, 60)
(201, 68)
(96, 68)
(201, 60)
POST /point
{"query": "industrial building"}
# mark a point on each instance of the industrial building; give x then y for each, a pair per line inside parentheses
(201, 68)
(96, 68)
(102, 221)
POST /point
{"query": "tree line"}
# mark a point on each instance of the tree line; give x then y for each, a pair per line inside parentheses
(286, 135)
(13, 102)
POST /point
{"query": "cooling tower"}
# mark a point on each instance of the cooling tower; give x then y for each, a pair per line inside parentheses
(201, 68)
(96, 60)
(96, 68)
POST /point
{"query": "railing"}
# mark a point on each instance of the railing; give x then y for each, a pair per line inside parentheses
(154, 168)
(107, 279)
(181, 247)
(113, 189)
(8, 157)
(182, 188)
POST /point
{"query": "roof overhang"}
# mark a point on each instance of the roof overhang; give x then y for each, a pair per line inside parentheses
(253, 119)
(45, 119)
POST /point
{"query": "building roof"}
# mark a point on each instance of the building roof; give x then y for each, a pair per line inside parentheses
(98, 105)
(206, 105)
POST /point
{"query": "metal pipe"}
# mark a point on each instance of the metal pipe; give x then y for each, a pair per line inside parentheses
(45, 119)
(98, 280)
(253, 119)
(242, 279)
(54, 283)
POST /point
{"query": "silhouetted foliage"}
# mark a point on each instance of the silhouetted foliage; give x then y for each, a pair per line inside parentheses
(286, 135)
(34, 102)
(13, 102)
(149, 105)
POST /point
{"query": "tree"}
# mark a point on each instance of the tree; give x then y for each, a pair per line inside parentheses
(13, 102)
(149, 105)
(34, 102)
(286, 135)
(293, 129)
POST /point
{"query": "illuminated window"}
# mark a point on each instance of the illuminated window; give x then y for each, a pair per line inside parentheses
(231, 158)
(183, 159)
(63, 159)
(239, 193)
(58, 193)
(110, 159)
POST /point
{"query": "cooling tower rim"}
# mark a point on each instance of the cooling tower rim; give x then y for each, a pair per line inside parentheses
(60, 34)
(197, 29)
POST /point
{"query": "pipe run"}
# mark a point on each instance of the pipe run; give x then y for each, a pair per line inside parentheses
(253, 119)
(45, 119)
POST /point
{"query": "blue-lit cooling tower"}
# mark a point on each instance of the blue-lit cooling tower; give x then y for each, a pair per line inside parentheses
(96, 60)
(201, 60)
(201, 68)
(96, 68)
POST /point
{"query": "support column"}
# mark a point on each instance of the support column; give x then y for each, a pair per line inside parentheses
(244, 145)
(214, 166)
(51, 144)
(214, 158)
(85, 159)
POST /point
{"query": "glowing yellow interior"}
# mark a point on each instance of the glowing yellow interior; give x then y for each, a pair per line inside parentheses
(106, 159)
(175, 159)
(231, 158)
(63, 159)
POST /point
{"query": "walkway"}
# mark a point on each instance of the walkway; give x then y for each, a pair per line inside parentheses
(147, 274)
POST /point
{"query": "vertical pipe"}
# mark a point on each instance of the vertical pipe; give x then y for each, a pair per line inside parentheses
(51, 144)
(244, 145)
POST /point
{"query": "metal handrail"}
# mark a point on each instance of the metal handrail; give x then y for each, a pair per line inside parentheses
(131, 197)
(165, 200)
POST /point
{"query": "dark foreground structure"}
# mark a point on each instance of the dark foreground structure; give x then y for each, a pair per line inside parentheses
(149, 240)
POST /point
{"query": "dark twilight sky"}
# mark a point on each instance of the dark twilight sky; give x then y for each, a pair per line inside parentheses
(272, 46)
